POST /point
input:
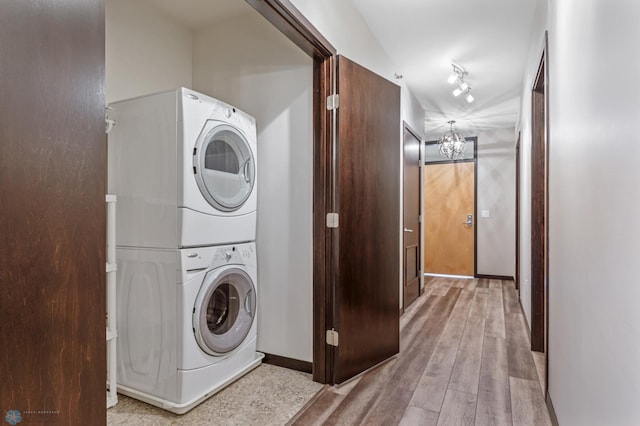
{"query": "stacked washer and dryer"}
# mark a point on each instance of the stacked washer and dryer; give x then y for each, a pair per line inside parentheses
(183, 166)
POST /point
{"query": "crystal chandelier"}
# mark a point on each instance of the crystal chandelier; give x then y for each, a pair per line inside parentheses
(452, 144)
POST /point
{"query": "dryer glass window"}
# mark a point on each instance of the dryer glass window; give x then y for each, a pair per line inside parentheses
(221, 157)
(224, 310)
(224, 167)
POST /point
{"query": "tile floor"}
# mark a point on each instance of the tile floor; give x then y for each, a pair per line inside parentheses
(266, 396)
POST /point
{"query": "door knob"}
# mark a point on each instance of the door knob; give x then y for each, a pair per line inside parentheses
(408, 230)
(469, 222)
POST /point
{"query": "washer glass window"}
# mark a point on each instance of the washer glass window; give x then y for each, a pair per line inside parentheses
(224, 310)
(224, 167)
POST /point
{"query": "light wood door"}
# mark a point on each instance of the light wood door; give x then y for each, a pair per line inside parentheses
(367, 299)
(449, 199)
(411, 214)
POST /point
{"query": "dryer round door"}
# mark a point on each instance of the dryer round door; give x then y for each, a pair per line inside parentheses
(224, 310)
(224, 167)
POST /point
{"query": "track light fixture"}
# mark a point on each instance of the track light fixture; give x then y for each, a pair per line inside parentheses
(458, 74)
(468, 96)
(457, 77)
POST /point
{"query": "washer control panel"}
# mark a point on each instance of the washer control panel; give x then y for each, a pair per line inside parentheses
(213, 257)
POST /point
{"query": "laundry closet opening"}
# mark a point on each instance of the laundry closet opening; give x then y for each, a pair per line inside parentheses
(226, 50)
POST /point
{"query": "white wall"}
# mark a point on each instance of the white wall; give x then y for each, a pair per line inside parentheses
(531, 69)
(496, 193)
(146, 51)
(594, 199)
(249, 64)
(340, 23)
(594, 321)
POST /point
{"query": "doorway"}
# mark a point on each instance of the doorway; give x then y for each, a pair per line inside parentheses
(517, 248)
(412, 201)
(280, 84)
(538, 210)
(539, 207)
(237, 79)
(450, 212)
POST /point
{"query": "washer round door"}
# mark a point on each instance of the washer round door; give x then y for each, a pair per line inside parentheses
(224, 167)
(224, 310)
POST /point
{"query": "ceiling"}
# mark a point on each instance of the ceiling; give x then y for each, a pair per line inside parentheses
(200, 14)
(489, 38)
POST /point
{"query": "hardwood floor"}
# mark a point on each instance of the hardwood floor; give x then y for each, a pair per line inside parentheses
(464, 360)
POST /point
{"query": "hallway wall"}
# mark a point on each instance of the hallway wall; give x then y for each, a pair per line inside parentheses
(594, 198)
(342, 25)
(594, 201)
(496, 193)
(524, 127)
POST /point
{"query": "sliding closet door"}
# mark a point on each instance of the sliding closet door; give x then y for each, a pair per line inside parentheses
(52, 212)
(368, 258)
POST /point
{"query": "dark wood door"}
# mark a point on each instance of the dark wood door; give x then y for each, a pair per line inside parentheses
(411, 215)
(367, 261)
(539, 209)
(52, 215)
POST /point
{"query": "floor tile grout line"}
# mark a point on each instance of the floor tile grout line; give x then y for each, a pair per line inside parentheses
(466, 321)
(504, 312)
(482, 359)
(484, 330)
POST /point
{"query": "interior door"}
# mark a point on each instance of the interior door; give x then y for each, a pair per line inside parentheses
(411, 216)
(448, 218)
(53, 215)
(367, 259)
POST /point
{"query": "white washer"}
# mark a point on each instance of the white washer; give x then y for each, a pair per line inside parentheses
(186, 322)
(183, 166)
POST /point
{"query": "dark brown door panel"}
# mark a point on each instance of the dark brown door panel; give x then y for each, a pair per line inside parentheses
(367, 287)
(52, 211)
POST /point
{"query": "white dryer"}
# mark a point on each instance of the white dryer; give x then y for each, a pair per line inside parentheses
(186, 322)
(184, 168)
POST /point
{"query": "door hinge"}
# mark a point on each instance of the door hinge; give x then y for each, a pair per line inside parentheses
(333, 102)
(332, 220)
(332, 337)
(419, 218)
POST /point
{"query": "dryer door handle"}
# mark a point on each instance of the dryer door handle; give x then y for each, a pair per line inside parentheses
(245, 170)
(247, 302)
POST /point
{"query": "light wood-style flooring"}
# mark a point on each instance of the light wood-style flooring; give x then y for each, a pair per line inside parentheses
(464, 359)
